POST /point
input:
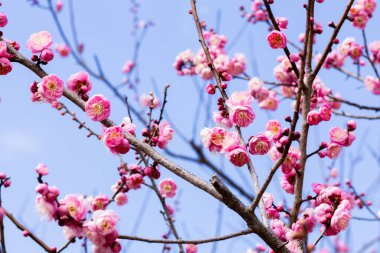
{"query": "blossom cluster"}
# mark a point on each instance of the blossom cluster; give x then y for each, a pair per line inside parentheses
(188, 63)
(70, 212)
(330, 208)
(39, 44)
(361, 12)
(5, 64)
(256, 13)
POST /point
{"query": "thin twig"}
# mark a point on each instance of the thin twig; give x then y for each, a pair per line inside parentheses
(200, 241)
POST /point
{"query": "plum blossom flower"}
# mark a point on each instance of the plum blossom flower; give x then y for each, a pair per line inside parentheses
(121, 199)
(333, 150)
(128, 66)
(168, 188)
(274, 128)
(79, 83)
(222, 121)
(313, 118)
(98, 108)
(372, 84)
(99, 202)
(238, 156)
(62, 49)
(134, 181)
(3, 19)
(341, 136)
(191, 248)
(39, 41)
(165, 134)
(149, 101)
(46, 208)
(242, 116)
(279, 228)
(325, 112)
(115, 141)
(241, 112)
(341, 217)
(75, 207)
(51, 87)
(5, 66)
(276, 40)
(259, 144)
(105, 221)
(213, 139)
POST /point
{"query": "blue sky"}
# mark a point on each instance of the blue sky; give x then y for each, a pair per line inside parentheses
(34, 133)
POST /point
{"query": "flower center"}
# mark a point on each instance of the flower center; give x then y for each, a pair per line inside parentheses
(97, 108)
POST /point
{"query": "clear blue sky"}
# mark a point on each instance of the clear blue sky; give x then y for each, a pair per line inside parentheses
(34, 133)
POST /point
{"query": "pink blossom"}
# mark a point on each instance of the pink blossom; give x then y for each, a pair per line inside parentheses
(100, 202)
(267, 200)
(288, 181)
(279, 228)
(219, 119)
(294, 58)
(191, 248)
(276, 40)
(51, 87)
(213, 139)
(230, 142)
(372, 84)
(333, 150)
(168, 188)
(170, 209)
(47, 55)
(58, 6)
(5, 66)
(242, 116)
(290, 160)
(274, 127)
(313, 118)
(79, 83)
(75, 207)
(240, 98)
(255, 84)
(374, 47)
(259, 144)
(42, 169)
(149, 101)
(184, 63)
(105, 221)
(121, 199)
(98, 108)
(165, 134)
(269, 103)
(325, 112)
(339, 135)
(282, 22)
(115, 141)
(39, 41)
(236, 65)
(46, 208)
(128, 126)
(128, 66)
(3, 19)
(294, 246)
(351, 125)
(341, 217)
(62, 49)
(238, 156)
(3, 49)
(134, 181)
